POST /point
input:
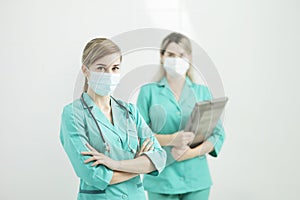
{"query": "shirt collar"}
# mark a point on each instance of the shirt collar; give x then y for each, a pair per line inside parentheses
(164, 82)
(88, 100)
(91, 104)
(97, 113)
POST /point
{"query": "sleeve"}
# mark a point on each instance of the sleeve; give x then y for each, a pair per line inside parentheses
(73, 138)
(143, 105)
(218, 136)
(217, 139)
(157, 155)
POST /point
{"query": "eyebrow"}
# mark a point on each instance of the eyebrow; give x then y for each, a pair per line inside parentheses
(106, 65)
(101, 64)
(180, 54)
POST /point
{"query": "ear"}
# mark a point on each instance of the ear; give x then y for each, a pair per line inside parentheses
(84, 70)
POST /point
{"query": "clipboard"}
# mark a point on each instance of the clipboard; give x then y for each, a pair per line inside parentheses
(204, 119)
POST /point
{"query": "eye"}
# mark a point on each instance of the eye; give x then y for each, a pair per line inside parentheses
(184, 56)
(170, 55)
(115, 68)
(101, 68)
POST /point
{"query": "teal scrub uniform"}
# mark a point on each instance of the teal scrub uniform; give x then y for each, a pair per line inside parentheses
(165, 115)
(196, 195)
(123, 136)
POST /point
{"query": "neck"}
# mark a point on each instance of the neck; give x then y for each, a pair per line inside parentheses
(175, 81)
(176, 85)
(103, 102)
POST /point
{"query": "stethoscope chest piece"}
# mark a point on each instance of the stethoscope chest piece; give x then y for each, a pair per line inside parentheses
(107, 147)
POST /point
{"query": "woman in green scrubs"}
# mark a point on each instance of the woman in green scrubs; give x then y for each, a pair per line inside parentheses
(166, 106)
(102, 135)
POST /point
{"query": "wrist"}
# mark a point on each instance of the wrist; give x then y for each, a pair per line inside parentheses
(172, 139)
(185, 153)
(199, 150)
(116, 165)
(195, 152)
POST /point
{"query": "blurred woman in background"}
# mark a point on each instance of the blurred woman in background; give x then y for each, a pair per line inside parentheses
(166, 107)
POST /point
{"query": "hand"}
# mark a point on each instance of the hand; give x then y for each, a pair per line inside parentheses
(182, 153)
(99, 158)
(145, 147)
(182, 138)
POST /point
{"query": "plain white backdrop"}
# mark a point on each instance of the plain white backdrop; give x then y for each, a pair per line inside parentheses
(254, 44)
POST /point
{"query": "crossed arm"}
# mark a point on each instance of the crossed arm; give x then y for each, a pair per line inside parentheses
(124, 169)
(131, 168)
(180, 151)
(119, 177)
(180, 140)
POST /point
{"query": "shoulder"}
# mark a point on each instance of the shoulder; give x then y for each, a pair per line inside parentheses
(149, 90)
(202, 91)
(200, 87)
(150, 86)
(72, 108)
(129, 107)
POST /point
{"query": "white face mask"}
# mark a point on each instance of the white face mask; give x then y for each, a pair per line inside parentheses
(176, 67)
(102, 83)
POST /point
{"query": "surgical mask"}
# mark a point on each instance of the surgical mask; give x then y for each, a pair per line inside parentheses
(176, 67)
(102, 83)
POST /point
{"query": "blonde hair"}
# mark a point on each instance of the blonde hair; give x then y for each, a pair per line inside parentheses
(95, 49)
(183, 42)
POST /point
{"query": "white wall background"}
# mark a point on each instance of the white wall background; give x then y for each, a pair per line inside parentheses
(254, 44)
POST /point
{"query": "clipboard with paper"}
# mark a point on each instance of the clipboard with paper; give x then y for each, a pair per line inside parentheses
(204, 119)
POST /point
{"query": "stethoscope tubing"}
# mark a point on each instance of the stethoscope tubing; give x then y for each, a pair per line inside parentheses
(98, 127)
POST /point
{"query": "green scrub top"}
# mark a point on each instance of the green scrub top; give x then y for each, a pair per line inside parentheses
(79, 128)
(165, 115)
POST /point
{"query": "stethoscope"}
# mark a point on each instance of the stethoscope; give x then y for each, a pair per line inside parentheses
(107, 147)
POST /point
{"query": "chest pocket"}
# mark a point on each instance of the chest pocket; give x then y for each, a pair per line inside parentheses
(158, 116)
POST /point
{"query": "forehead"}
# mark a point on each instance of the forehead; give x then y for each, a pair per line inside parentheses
(175, 48)
(111, 59)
